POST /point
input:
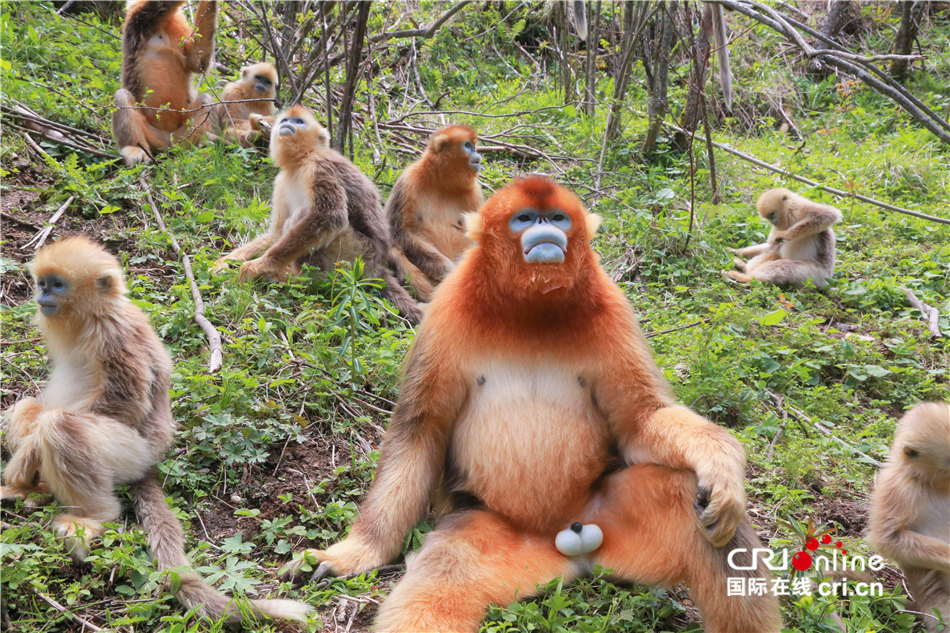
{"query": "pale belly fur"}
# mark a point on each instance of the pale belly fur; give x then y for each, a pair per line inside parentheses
(530, 442)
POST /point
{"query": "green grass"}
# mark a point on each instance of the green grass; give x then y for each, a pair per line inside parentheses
(275, 451)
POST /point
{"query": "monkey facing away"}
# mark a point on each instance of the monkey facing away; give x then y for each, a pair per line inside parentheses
(157, 105)
(233, 117)
(531, 406)
(324, 210)
(910, 507)
(104, 418)
(426, 206)
(801, 244)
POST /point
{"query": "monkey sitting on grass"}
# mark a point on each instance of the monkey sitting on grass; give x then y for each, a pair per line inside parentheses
(801, 245)
(104, 419)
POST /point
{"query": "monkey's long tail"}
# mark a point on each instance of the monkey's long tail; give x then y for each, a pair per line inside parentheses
(166, 539)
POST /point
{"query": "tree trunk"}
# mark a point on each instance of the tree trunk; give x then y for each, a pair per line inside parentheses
(352, 74)
(659, 102)
(911, 13)
(837, 18)
(593, 44)
(699, 49)
(634, 14)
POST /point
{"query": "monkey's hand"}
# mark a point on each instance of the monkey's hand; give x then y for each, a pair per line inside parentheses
(737, 251)
(720, 498)
(777, 240)
(349, 556)
(262, 267)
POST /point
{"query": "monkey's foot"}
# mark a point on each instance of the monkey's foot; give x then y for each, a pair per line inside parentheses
(719, 511)
(12, 493)
(737, 276)
(77, 533)
(579, 539)
(134, 155)
(296, 570)
(262, 268)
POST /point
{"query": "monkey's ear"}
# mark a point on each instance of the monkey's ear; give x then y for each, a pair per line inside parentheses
(593, 223)
(244, 72)
(439, 142)
(325, 136)
(109, 281)
(473, 225)
(784, 198)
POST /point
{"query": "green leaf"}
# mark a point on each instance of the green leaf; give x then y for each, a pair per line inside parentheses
(877, 371)
(774, 318)
(205, 217)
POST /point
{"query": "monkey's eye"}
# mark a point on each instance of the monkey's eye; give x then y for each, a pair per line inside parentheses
(58, 285)
(912, 453)
(469, 146)
(557, 217)
(523, 220)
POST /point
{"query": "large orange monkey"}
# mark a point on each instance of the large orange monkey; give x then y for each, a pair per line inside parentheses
(160, 54)
(531, 401)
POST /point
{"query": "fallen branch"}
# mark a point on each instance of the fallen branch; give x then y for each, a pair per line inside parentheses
(930, 313)
(831, 190)
(86, 624)
(850, 63)
(214, 337)
(24, 224)
(424, 32)
(804, 419)
(676, 329)
(40, 237)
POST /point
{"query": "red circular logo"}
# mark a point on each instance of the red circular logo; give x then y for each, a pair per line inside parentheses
(826, 539)
(812, 544)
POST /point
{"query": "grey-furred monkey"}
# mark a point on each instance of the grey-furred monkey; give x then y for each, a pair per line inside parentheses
(801, 244)
(324, 210)
(104, 419)
(910, 507)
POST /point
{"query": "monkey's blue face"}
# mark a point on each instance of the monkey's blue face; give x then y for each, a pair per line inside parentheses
(290, 125)
(262, 84)
(474, 158)
(543, 234)
(51, 293)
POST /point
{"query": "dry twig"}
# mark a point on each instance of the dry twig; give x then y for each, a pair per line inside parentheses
(40, 238)
(214, 337)
(931, 314)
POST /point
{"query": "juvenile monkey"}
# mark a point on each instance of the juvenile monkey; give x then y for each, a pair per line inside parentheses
(426, 206)
(234, 120)
(324, 210)
(801, 244)
(910, 507)
(104, 418)
(531, 401)
(157, 105)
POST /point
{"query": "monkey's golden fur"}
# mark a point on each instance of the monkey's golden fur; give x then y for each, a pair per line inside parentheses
(910, 507)
(324, 210)
(530, 401)
(235, 120)
(426, 206)
(104, 419)
(801, 244)
(160, 54)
